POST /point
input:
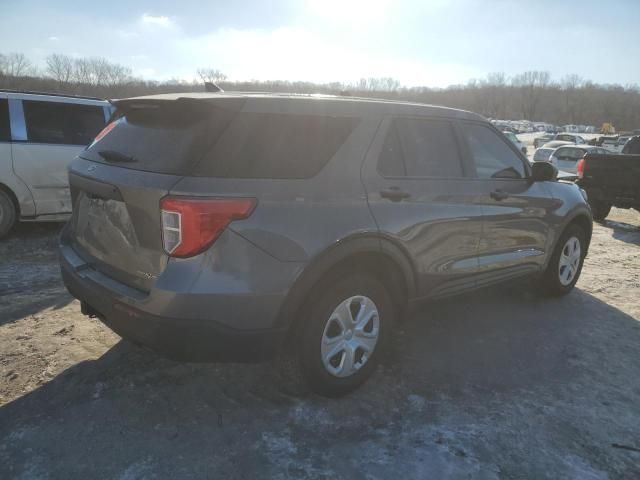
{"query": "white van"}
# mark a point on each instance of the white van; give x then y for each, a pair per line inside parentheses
(39, 135)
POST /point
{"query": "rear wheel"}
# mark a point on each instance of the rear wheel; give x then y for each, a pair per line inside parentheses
(339, 343)
(8, 214)
(565, 264)
(599, 210)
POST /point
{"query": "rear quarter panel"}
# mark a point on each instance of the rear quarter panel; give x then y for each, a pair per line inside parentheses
(297, 219)
(569, 204)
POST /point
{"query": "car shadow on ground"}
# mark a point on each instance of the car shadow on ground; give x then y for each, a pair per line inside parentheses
(498, 382)
(624, 231)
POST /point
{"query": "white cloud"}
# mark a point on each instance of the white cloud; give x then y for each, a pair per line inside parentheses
(156, 20)
(54, 39)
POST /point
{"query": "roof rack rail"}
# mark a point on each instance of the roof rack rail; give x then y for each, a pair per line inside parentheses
(50, 94)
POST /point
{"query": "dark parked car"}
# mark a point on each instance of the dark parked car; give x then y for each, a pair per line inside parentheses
(242, 226)
(612, 180)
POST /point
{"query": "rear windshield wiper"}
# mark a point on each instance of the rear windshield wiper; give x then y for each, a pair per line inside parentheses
(113, 156)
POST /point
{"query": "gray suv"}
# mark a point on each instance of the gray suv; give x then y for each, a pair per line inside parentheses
(248, 226)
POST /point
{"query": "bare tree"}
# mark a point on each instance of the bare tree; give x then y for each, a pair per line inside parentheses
(82, 72)
(494, 92)
(60, 68)
(377, 84)
(530, 86)
(211, 75)
(16, 65)
(531, 94)
(118, 75)
(570, 85)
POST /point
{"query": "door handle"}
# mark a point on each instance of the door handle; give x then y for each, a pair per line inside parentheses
(394, 194)
(499, 195)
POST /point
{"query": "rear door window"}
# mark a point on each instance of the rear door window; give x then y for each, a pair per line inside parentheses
(5, 131)
(83, 123)
(491, 153)
(62, 123)
(420, 148)
(266, 145)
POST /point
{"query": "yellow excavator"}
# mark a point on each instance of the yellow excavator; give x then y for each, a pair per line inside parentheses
(608, 129)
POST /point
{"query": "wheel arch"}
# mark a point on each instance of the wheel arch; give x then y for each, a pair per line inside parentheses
(584, 221)
(12, 196)
(369, 253)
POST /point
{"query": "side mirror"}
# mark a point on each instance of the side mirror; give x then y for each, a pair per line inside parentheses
(543, 172)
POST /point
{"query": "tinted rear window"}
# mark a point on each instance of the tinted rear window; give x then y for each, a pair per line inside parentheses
(167, 137)
(197, 139)
(5, 132)
(264, 145)
(62, 123)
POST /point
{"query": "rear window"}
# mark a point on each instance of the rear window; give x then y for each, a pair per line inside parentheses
(198, 139)
(62, 123)
(163, 137)
(5, 131)
(265, 145)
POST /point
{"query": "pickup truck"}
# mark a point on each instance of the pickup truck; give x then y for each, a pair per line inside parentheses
(611, 180)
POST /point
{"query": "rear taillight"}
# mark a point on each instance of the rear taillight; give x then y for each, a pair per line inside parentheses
(102, 133)
(190, 225)
(580, 168)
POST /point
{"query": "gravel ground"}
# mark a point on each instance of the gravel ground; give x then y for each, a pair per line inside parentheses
(498, 384)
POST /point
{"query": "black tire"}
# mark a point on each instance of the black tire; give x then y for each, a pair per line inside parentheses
(303, 365)
(599, 210)
(550, 282)
(8, 214)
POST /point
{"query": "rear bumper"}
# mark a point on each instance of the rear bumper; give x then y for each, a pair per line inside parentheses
(185, 339)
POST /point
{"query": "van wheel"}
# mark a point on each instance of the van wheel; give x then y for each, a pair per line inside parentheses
(341, 340)
(565, 264)
(599, 210)
(8, 215)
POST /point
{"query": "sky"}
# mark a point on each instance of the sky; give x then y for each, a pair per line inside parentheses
(432, 43)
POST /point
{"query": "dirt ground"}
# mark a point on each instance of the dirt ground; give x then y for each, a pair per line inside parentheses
(498, 384)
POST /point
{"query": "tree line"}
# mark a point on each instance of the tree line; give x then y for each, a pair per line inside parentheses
(532, 95)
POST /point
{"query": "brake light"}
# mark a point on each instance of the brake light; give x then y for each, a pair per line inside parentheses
(102, 133)
(191, 225)
(580, 168)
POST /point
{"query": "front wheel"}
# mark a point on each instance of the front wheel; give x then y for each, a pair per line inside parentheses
(566, 262)
(345, 331)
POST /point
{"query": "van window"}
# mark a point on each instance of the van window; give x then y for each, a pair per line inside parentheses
(420, 148)
(269, 145)
(491, 153)
(62, 123)
(5, 131)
